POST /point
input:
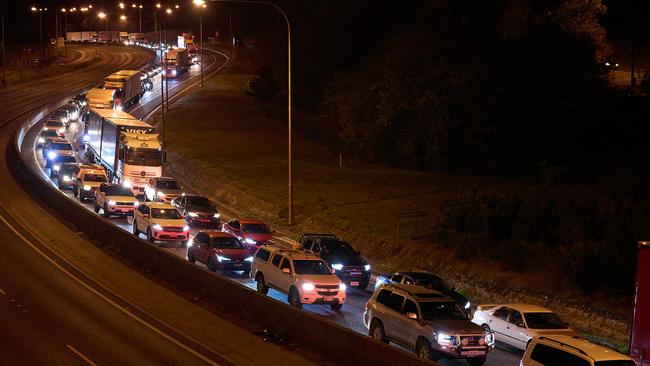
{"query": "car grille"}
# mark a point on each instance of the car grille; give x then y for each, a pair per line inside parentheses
(124, 203)
(355, 271)
(470, 340)
(327, 290)
(173, 229)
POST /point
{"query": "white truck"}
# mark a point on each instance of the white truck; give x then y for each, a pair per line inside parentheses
(73, 36)
(176, 62)
(126, 147)
(128, 87)
(100, 98)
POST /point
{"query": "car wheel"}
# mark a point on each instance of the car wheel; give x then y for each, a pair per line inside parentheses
(150, 236)
(75, 191)
(106, 213)
(190, 257)
(211, 265)
(336, 307)
(95, 207)
(58, 183)
(362, 285)
(476, 361)
(423, 349)
(376, 331)
(136, 232)
(261, 284)
(294, 298)
(486, 328)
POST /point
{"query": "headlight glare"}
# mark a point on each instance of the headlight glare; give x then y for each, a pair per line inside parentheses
(87, 187)
(366, 267)
(157, 227)
(308, 286)
(249, 259)
(337, 266)
(192, 214)
(222, 259)
(342, 287)
(249, 241)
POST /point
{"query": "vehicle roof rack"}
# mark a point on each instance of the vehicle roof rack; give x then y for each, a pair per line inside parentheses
(566, 345)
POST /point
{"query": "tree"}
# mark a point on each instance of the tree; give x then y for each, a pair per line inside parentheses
(263, 86)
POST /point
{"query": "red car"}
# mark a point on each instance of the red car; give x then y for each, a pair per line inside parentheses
(219, 251)
(252, 233)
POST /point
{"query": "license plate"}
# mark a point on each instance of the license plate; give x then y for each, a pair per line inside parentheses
(472, 353)
(328, 298)
(354, 283)
(355, 273)
(238, 264)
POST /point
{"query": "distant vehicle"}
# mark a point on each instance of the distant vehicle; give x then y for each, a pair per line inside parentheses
(128, 87)
(55, 164)
(516, 324)
(427, 322)
(88, 180)
(198, 210)
(339, 255)
(611, 65)
(67, 175)
(160, 221)
(45, 136)
(573, 351)
(73, 37)
(147, 83)
(115, 199)
(219, 251)
(162, 189)
(428, 280)
(101, 98)
(55, 153)
(176, 62)
(305, 278)
(194, 53)
(253, 233)
(55, 124)
(640, 333)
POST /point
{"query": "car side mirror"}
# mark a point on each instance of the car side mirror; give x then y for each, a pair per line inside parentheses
(413, 316)
(286, 270)
(332, 270)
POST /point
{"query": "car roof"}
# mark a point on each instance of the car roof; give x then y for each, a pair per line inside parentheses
(160, 205)
(527, 308)
(250, 221)
(418, 274)
(216, 234)
(419, 292)
(584, 346)
(292, 253)
(90, 167)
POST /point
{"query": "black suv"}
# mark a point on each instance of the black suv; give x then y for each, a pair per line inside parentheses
(350, 267)
(198, 210)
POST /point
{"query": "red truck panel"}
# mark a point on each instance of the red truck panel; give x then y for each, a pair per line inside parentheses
(640, 335)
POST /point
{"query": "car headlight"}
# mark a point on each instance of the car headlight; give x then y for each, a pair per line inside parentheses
(445, 339)
(217, 215)
(51, 154)
(66, 178)
(468, 305)
(249, 241)
(337, 266)
(174, 72)
(41, 140)
(249, 259)
(190, 242)
(118, 108)
(489, 339)
(222, 259)
(86, 138)
(111, 203)
(126, 184)
(62, 130)
(342, 287)
(75, 115)
(186, 228)
(64, 119)
(366, 267)
(83, 103)
(193, 214)
(157, 227)
(87, 187)
(308, 286)
(136, 203)
(56, 167)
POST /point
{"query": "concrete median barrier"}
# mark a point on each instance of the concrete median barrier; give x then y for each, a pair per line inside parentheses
(308, 330)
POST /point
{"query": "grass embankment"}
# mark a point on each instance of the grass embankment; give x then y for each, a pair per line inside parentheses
(228, 146)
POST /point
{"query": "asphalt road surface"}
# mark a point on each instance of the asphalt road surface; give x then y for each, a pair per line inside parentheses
(351, 314)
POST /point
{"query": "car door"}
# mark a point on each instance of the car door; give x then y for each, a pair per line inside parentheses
(396, 278)
(201, 250)
(393, 317)
(137, 218)
(517, 329)
(235, 228)
(273, 273)
(408, 329)
(285, 279)
(498, 321)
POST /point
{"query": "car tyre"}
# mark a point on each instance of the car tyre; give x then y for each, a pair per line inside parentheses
(211, 265)
(476, 361)
(190, 257)
(150, 237)
(376, 331)
(423, 349)
(294, 298)
(261, 284)
(336, 307)
(136, 232)
(106, 213)
(75, 191)
(362, 285)
(95, 207)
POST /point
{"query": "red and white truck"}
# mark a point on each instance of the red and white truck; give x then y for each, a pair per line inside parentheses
(128, 87)
(640, 332)
(176, 62)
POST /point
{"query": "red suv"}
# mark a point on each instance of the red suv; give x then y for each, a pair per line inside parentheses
(219, 251)
(252, 233)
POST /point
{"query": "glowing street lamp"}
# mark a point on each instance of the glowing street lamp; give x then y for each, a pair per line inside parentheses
(121, 5)
(104, 16)
(123, 18)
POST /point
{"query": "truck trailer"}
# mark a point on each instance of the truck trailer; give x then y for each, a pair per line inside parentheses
(177, 61)
(126, 147)
(100, 98)
(73, 37)
(128, 87)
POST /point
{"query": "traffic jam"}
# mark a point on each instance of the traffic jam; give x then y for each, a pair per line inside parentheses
(112, 163)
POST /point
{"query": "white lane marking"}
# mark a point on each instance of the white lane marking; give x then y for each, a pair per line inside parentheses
(2, 292)
(102, 296)
(81, 355)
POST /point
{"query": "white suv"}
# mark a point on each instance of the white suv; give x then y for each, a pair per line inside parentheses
(571, 350)
(160, 221)
(305, 278)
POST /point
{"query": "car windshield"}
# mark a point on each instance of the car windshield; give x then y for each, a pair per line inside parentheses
(165, 214)
(311, 267)
(256, 228)
(145, 157)
(615, 363)
(226, 243)
(66, 159)
(59, 146)
(167, 184)
(94, 177)
(55, 124)
(441, 311)
(50, 133)
(336, 247)
(544, 321)
(118, 191)
(433, 283)
(199, 201)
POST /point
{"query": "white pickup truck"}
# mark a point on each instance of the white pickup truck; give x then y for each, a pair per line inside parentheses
(305, 278)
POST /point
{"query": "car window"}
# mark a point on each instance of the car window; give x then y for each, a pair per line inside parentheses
(276, 260)
(285, 263)
(544, 321)
(307, 244)
(167, 184)
(311, 266)
(516, 319)
(408, 280)
(384, 297)
(396, 301)
(550, 356)
(256, 228)
(410, 307)
(166, 214)
(615, 363)
(502, 313)
(396, 278)
(226, 243)
(94, 177)
(316, 248)
(263, 255)
(432, 311)
(202, 238)
(234, 224)
(336, 247)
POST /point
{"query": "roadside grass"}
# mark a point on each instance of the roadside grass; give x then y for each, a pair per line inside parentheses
(229, 147)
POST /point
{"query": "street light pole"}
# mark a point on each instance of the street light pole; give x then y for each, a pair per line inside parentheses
(290, 158)
(201, 4)
(3, 49)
